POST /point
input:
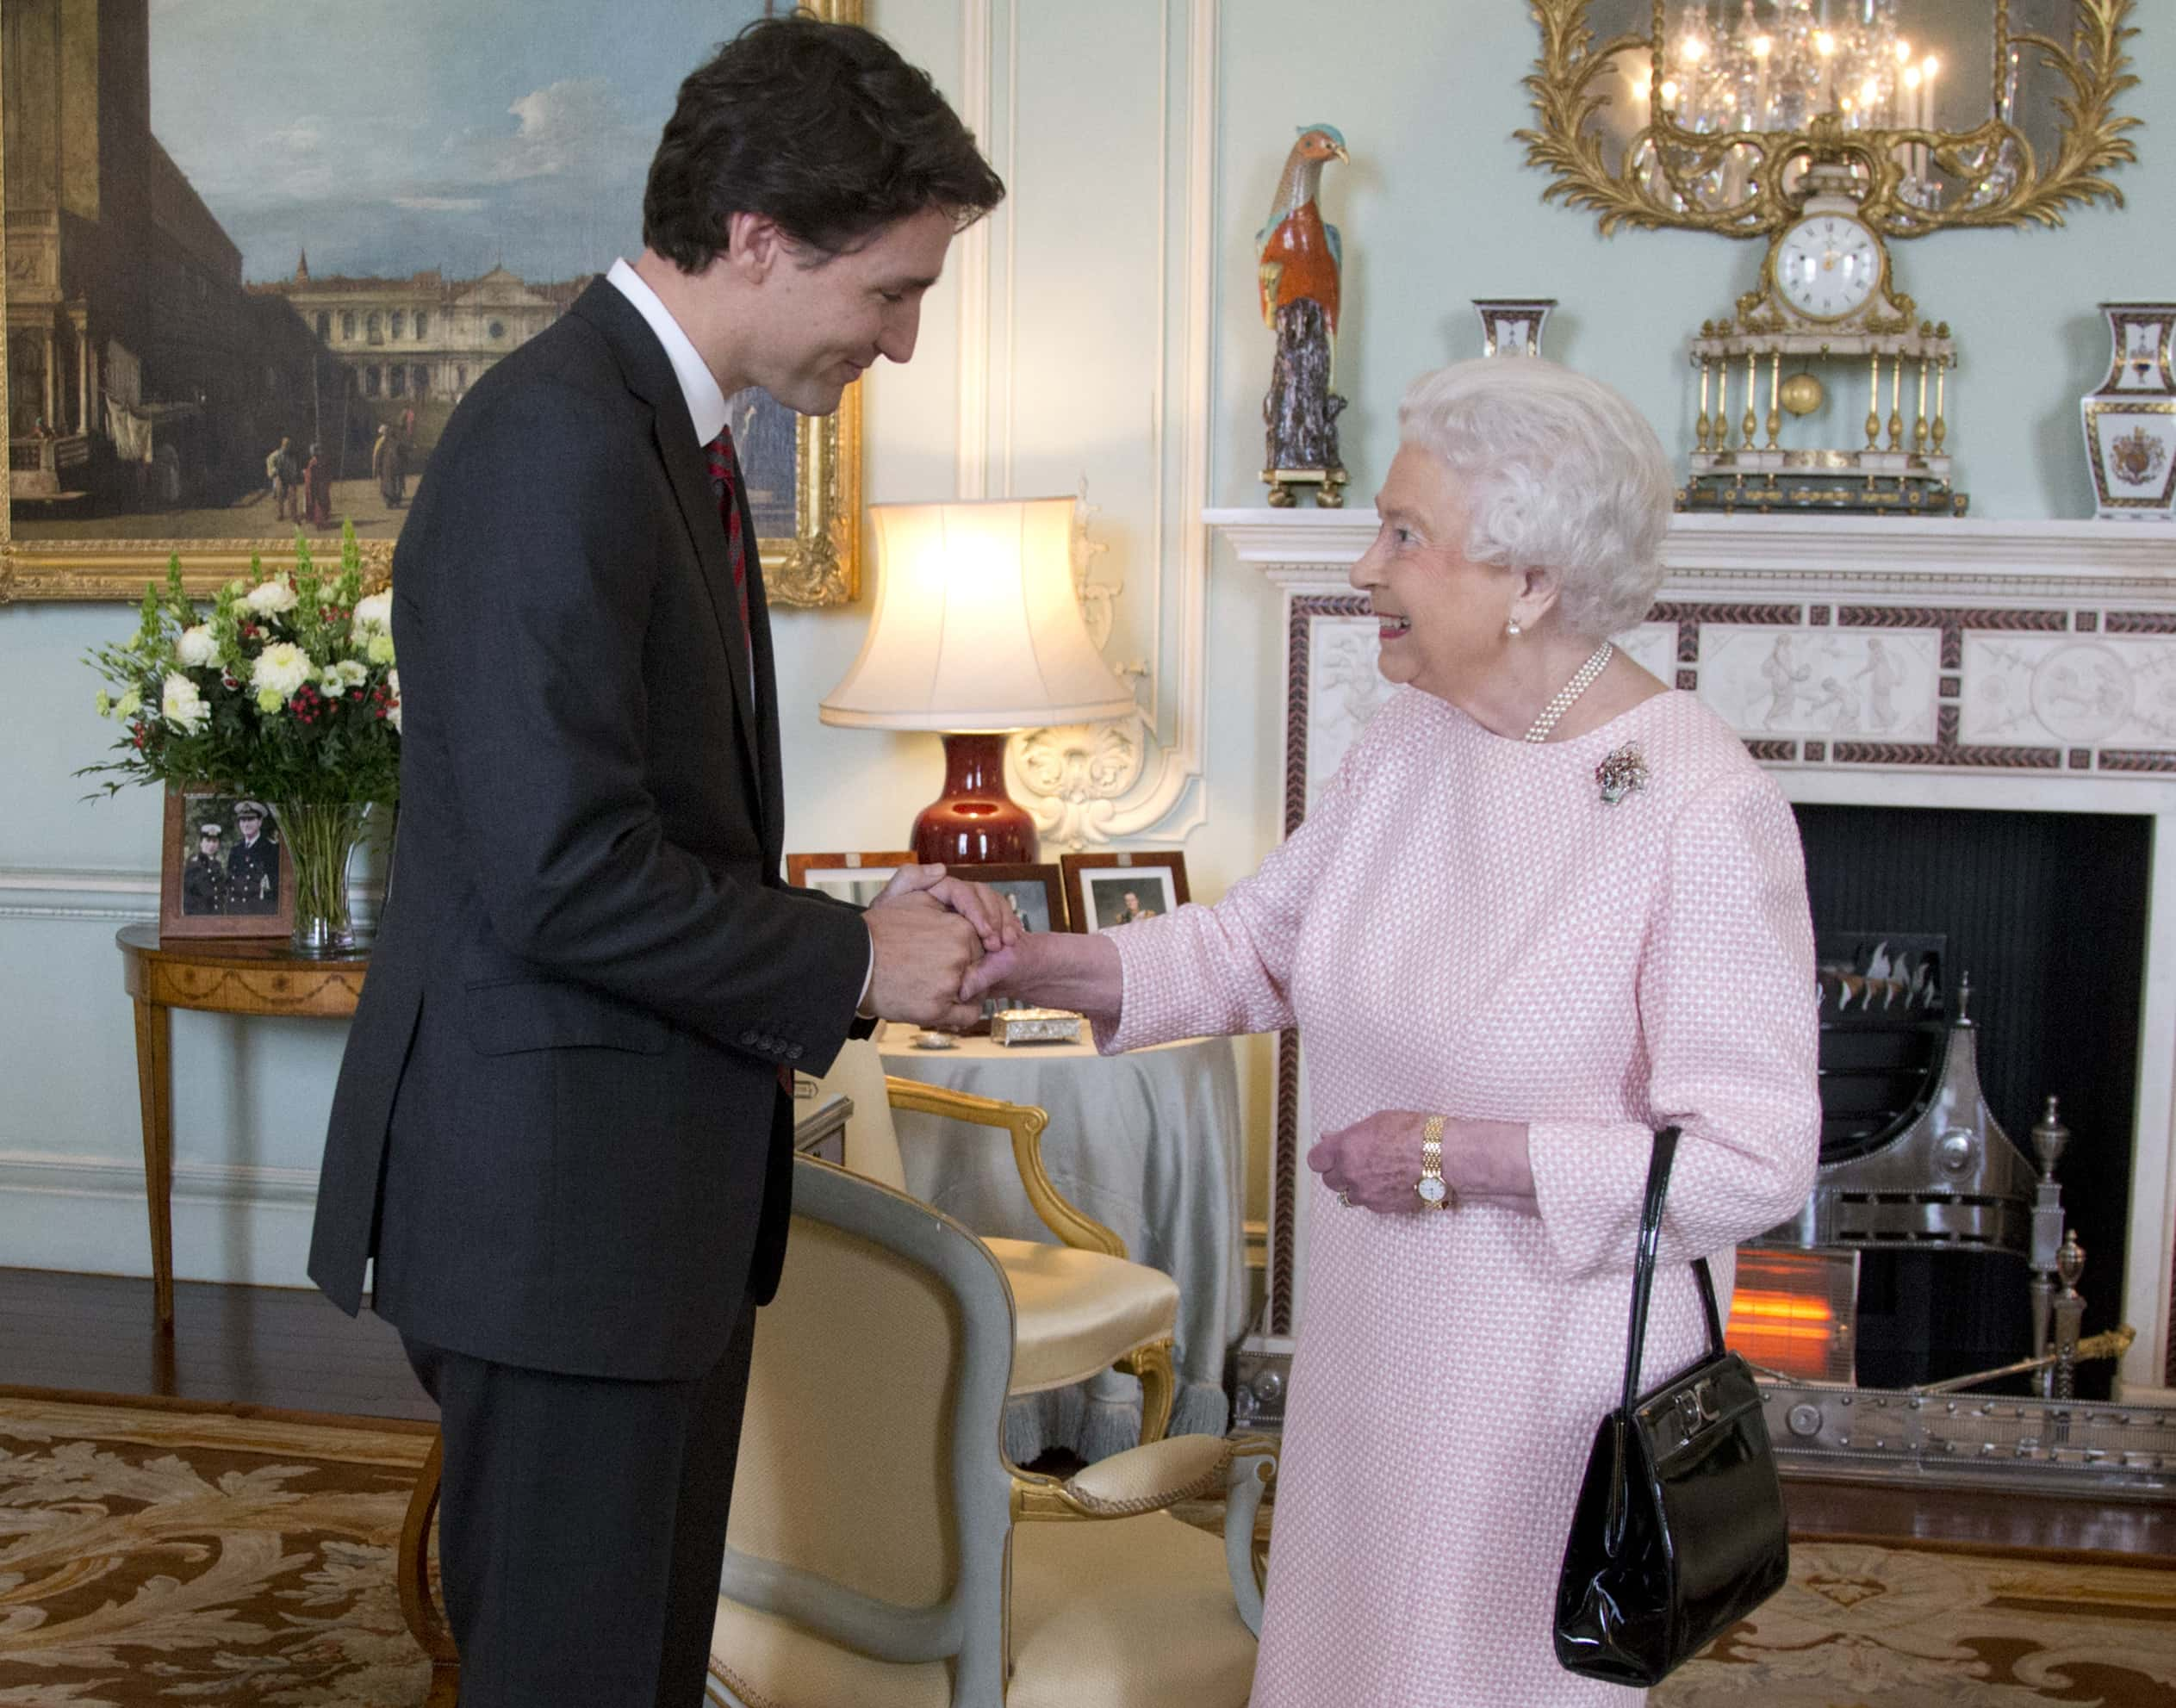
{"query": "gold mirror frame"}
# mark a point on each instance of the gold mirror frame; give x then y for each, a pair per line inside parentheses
(820, 565)
(2096, 67)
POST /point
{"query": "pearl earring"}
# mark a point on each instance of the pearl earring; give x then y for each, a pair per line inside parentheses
(1512, 628)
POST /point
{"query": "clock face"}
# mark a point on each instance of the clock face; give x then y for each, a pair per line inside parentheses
(1827, 266)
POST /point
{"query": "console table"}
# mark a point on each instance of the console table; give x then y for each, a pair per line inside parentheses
(213, 975)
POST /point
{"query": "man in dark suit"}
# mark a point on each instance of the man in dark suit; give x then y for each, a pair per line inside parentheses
(252, 864)
(563, 1127)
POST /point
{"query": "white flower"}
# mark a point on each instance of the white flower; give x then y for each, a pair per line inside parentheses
(182, 705)
(267, 598)
(281, 669)
(393, 711)
(373, 615)
(379, 649)
(337, 679)
(196, 647)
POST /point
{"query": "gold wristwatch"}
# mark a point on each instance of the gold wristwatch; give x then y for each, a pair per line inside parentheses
(1435, 1189)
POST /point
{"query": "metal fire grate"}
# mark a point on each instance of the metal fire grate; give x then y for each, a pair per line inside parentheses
(1963, 1440)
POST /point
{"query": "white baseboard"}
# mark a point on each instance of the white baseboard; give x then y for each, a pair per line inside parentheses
(244, 1225)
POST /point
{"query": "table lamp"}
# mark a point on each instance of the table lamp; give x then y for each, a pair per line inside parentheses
(977, 632)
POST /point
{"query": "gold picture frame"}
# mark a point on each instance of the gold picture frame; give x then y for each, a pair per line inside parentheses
(48, 336)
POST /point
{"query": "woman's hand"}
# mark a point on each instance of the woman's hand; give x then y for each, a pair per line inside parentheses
(1376, 1163)
(1054, 969)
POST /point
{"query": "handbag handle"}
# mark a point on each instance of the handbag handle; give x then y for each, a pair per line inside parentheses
(1651, 1233)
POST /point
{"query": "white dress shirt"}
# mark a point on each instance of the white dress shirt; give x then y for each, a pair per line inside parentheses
(706, 402)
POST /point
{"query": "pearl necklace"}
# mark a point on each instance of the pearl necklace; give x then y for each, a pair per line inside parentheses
(1583, 679)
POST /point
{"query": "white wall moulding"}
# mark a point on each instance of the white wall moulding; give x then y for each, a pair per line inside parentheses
(63, 893)
(235, 1224)
(1026, 405)
(1876, 661)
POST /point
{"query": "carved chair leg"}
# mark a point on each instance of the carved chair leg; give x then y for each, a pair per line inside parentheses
(1152, 1363)
(426, 1620)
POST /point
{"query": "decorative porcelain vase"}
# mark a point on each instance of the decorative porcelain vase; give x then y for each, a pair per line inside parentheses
(322, 838)
(1512, 325)
(2130, 421)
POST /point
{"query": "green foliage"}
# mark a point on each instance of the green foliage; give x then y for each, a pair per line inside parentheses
(287, 689)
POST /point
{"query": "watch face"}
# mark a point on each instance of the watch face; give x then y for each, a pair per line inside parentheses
(1827, 266)
(1431, 1189)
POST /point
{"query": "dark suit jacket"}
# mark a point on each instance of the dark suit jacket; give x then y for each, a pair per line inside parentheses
(558, 1125)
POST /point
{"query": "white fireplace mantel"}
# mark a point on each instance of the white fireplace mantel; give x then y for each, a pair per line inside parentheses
(1878, 661)
(1765, 551)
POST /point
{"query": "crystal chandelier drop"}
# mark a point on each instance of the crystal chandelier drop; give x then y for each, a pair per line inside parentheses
(1774, 64)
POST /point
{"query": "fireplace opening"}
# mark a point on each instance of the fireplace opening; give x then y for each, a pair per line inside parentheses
(2046, 914)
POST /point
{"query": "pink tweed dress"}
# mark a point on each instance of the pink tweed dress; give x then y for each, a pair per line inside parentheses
(1463, 926)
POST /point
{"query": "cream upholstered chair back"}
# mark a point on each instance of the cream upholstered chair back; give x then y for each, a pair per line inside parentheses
(866, 1556)
(872, 1140)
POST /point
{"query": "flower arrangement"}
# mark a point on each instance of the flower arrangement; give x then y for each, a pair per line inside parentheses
(287, 689)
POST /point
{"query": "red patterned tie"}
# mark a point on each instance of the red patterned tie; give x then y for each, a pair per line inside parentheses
(724, 481)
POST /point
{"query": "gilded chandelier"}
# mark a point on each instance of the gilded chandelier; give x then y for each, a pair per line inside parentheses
(1774, 64)
(1700, 113)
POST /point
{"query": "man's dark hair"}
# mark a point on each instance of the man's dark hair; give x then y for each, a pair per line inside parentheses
(822, 127)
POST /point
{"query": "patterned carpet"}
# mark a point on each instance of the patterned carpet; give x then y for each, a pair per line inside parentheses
(152, 1554)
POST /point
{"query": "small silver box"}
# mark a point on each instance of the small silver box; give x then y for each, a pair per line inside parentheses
(1036, 1026)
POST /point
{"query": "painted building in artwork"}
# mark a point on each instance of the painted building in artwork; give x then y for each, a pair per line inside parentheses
(424, 337)
(133, 348)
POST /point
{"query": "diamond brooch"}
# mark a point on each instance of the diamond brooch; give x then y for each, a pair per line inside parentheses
(1623, 772)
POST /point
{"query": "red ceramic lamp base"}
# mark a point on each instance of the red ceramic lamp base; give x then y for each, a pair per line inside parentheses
(975, 822)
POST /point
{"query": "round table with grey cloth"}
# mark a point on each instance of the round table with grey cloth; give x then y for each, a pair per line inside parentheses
(1148, 1144)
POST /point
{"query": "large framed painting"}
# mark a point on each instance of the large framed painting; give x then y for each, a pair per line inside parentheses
(255, 258)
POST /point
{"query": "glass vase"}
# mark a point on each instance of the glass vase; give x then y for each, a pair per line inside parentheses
(322, 838)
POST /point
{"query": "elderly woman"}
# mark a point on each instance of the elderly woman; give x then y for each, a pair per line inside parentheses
(1545, 906)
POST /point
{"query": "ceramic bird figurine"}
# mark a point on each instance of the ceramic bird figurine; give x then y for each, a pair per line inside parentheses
(1301, 259)
(1300, 252)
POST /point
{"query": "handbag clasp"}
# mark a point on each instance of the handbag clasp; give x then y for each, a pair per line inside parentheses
(1696, 1406)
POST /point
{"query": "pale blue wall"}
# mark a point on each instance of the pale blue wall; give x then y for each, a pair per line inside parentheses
(1436, 209)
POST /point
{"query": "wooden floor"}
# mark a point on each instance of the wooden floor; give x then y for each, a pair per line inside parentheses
(289, 1348)
(255, 1345)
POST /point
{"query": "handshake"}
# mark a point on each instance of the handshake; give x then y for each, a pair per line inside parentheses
(928, 931)
(942, 942)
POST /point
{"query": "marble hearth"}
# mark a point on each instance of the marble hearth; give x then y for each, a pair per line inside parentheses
(1874, 661)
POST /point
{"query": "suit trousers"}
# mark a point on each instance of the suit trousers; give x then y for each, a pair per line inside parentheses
(581, 1527)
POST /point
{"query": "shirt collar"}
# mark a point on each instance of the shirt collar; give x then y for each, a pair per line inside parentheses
(706, 402)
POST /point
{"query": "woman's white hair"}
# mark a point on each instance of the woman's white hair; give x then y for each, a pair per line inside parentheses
(1558, 472)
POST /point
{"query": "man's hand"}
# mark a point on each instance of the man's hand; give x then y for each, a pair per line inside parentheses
(923, 952)
(982, 907)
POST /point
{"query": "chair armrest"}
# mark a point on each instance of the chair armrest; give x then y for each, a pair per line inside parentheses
(1025, 1123)
(1162, 1475)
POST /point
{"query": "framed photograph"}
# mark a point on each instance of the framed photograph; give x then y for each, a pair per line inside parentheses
(1104, 890)
(223, 870)
(856, 878)
(286, 279)
(1036, 893)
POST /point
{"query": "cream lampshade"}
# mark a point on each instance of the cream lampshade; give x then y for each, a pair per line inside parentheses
(977, 632)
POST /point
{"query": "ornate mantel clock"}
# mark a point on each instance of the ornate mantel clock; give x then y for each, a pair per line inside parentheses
(1831, 132)
(1827, 327)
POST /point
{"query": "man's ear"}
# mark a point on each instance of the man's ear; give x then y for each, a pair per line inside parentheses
(754, 246)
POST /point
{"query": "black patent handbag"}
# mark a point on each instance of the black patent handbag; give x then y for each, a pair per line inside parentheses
(1679, 1528)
